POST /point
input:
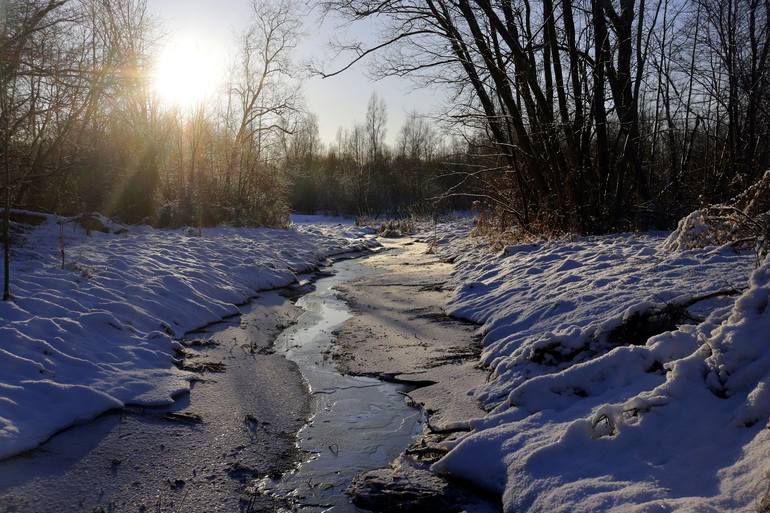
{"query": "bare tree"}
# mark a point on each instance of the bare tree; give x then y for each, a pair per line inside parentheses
(563, 92)
(21, 22)
(261, 93)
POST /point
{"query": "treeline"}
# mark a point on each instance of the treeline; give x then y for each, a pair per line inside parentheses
(591, 115)
(573, 115)
(360, 174)
(82, 130)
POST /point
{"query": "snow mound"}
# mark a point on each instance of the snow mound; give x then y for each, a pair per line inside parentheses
(98, 332)
(692, 231)
(626, 378)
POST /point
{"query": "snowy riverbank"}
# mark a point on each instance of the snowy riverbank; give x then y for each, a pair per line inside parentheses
(99, 333)
(615, 387)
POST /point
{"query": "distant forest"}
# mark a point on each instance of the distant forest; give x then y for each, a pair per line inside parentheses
(573, 115)
(361, 175)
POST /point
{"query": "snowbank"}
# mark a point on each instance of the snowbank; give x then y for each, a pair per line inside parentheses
(321, 219)
(99, 333)
(627, 377)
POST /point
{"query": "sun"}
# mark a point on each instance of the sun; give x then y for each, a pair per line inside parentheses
(187, 71)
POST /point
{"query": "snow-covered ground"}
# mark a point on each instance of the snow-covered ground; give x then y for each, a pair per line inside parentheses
(99, 333)
(629, 374)
(321, 219)
(617, 384)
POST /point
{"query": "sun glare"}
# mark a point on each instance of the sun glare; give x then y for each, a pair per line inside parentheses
(186, 72)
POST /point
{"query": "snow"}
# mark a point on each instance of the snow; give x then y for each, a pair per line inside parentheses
(99, 333)
(586, 415)
(692, 231)
(629, 372)
(321, 219)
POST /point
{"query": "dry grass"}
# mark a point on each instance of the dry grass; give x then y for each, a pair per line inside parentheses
(397, 228)
(763, 505)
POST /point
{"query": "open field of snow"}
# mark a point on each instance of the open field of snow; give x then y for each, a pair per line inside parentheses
(618, 383)
(99, 333)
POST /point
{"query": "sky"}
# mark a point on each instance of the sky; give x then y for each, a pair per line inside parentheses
(338, 101)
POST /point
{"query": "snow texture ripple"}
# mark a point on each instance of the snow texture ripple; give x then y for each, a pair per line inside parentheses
(585, 416)
(99, 333)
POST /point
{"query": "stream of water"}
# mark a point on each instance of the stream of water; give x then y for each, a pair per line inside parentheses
(357, 424)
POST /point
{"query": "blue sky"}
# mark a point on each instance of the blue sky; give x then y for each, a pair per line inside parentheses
(338, 101)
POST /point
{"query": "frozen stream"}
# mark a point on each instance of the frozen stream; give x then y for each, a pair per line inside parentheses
(357, 423)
